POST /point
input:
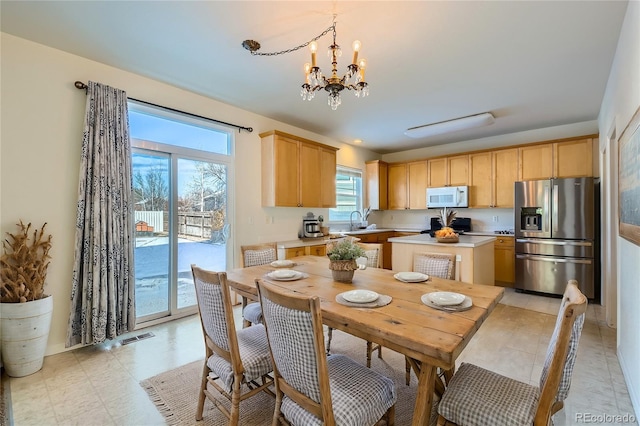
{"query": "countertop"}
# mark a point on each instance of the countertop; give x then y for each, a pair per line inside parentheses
(466, 240)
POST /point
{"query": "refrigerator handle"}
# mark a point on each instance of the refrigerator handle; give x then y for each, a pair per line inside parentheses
(554, 259)
(554, 209)
(545, 217)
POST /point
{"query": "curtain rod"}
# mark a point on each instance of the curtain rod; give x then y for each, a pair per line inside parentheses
(81, 85)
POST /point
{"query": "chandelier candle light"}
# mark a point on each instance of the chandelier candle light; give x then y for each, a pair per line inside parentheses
(315, 80)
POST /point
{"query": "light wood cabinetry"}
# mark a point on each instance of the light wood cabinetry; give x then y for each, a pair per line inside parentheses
(458, 170)
(407, 185)
(437, 172)
(297, 172)
(376, 177)
(505, 261)
(316, 250)
(448, 171)
(491, 178)
(572, 158)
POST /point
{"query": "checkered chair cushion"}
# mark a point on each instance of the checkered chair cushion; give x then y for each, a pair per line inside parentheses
(253, 313)
(259, 257)
(479, 397)
(565, 380)
(212, 312)
(372, 258)
(434, 266)
(291, 340)
(254, 353)
(360, 396)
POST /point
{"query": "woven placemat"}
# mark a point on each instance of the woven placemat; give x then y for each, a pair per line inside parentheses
(382, 300)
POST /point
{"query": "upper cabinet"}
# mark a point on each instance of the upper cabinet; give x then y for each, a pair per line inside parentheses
(297, 172)
(407, 185)
(448, 171)
(572, 158)
(375, 192)
(491, 178)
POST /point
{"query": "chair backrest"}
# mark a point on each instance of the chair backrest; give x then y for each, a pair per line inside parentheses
(441, 265)
(258, 254)
(373, 252)
(561, 352)
(216, 315)
(296, 340)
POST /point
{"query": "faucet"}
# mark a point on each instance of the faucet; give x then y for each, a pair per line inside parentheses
(351, 219)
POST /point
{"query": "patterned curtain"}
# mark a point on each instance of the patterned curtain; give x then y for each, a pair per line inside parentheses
(103, 292)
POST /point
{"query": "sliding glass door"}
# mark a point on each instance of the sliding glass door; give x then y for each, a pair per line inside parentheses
(181, 176)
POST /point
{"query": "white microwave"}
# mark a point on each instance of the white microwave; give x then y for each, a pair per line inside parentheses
(448, 196)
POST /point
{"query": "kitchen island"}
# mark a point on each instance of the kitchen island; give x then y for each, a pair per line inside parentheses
(474, 255)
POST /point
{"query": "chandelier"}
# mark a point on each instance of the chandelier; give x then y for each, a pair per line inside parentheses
(315, 80)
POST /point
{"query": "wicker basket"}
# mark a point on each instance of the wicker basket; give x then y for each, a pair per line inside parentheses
(448, 240)
(343, 270)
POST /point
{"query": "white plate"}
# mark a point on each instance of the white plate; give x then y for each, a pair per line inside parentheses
(282, 263)
(360, 296)
(466, 304)
(283, 273)
(446, 298)
(411, 277)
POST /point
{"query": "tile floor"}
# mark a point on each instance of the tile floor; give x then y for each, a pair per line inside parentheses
(99, 385)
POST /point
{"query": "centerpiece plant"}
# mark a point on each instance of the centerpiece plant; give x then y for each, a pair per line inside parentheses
(342, 259)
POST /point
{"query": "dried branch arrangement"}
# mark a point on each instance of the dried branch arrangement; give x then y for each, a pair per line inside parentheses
(23, 266)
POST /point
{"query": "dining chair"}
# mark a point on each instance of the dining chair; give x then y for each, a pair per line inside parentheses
(441, 265)
(255, 255)
(235, 360)
(476, 396)
(373, 253)
(311, 387)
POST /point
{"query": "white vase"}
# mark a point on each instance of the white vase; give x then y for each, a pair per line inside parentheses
(24, 331)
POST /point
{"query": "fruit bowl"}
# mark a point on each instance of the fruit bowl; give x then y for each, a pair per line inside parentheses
(452, 239)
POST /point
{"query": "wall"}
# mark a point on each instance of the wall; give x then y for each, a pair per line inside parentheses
(42, 122)
(620, 102)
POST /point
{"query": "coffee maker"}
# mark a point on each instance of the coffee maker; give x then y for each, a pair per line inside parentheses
(311, 226)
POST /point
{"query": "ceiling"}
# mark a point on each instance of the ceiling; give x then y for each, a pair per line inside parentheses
(533, 64)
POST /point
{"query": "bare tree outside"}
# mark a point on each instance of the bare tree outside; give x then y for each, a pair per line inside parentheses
(150, 190)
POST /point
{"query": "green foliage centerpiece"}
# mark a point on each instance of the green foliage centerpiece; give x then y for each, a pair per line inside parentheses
(342, 259)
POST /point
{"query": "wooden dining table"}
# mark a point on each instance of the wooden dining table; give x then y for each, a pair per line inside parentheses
(431, 338)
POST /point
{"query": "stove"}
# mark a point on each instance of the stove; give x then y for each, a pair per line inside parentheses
(459, 224)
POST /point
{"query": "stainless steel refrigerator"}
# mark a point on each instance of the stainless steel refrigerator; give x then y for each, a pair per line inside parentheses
(555, 229)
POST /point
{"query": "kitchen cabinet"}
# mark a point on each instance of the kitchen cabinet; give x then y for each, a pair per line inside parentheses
(573, 158)
(491, 178)
(315, 250)
(297, 172)
(407, 185)
(448, 171)
(505, 261)
(376, 177)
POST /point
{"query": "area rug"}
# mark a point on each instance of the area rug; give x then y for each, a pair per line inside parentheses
(175, 392)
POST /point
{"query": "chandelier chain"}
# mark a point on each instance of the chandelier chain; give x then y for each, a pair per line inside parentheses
(293, 49)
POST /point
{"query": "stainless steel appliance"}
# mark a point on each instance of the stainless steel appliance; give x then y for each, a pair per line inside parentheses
(311, 226)
(555, 229)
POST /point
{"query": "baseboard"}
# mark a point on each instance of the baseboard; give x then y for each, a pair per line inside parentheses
(632, 388)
